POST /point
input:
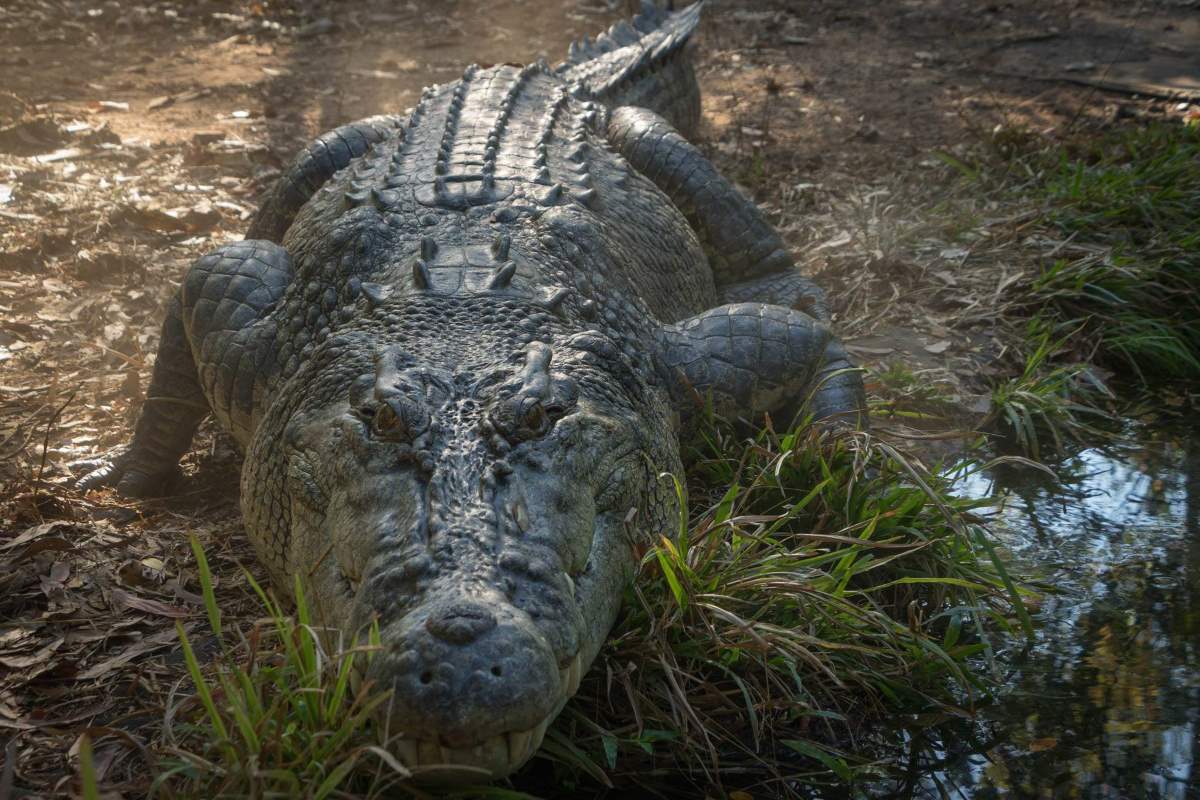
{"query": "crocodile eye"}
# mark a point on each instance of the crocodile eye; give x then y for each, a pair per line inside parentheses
(398, 420)
(386, 422)
(520, 419)
(534, 420)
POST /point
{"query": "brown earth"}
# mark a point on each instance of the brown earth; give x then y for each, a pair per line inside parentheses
(135, 138)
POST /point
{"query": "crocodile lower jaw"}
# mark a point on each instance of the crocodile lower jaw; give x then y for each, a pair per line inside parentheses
(496, 757)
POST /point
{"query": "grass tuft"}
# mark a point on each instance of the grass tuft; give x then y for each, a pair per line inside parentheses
(1049, 403)
(1127, 203)
(822, 582)
(1106, 227)
(275, 713)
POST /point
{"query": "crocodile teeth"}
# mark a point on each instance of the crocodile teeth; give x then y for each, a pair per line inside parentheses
(496, 756)
(570, 677)
(576, 675)
(406, 749)
(499, 755)
(539, 733)
(518, 745)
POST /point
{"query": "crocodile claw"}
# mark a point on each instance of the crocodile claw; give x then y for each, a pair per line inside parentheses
(126, 473)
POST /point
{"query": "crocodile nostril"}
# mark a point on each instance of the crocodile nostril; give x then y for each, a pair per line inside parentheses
(460, 623)
(426, 677)
(497, 671)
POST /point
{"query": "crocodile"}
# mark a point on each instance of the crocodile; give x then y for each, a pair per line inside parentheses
(459, 347)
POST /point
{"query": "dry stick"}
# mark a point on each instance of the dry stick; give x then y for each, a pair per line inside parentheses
(1009, 41)
(13, 453)
(1150, 90)
(37, 484)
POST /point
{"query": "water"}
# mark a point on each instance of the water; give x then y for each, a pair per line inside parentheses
(1106, 702)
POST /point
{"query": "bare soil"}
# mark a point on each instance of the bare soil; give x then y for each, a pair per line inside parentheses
(133, 138)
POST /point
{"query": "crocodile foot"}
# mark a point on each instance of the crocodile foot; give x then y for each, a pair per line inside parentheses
(130, 475)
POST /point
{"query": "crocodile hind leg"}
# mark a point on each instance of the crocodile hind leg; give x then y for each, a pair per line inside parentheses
(788, 288)
(754, 359)
(748, 258)
(215, 347)
(329, 153)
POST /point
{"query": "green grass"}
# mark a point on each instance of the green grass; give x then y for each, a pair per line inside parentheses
(896, 391)
(1049, 403)
(274, 714)
(1118, 296)
(820, 583)
(1129, 199)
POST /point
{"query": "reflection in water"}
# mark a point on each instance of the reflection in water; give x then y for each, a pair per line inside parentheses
(1106, 702)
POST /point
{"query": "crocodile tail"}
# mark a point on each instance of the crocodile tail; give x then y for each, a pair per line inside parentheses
(641, 62)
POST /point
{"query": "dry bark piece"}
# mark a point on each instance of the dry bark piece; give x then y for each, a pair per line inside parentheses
(93, 265)
(29, 137)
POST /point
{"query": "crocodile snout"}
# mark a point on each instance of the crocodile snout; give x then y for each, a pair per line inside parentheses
(475, 686)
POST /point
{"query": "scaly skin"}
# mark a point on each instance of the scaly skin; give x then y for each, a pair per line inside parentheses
(459, 352)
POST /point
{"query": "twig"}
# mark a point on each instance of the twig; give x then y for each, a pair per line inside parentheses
(1149, 90)
(37, 484)
(13, 453)
(1009, 41)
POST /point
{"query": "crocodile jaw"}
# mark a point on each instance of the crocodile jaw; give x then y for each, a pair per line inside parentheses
(494, 758)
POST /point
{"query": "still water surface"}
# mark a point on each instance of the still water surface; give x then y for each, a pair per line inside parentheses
(1106, 702)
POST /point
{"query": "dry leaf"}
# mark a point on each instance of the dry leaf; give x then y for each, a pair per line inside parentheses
(123, 599)
(149, 644)
(24, 662)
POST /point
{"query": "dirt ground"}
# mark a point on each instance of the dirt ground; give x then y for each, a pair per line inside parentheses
(133, 138)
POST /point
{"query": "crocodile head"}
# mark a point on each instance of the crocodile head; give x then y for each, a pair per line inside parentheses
(481, 511)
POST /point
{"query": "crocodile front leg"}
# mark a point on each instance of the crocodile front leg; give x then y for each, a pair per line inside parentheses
(748, 258)
(173, 408)
(227, 298)
(754, 359)
(215, 347)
